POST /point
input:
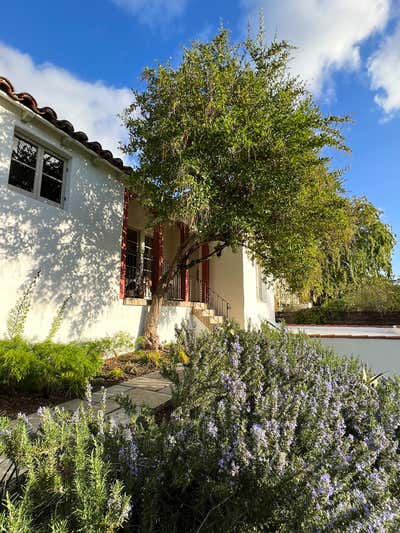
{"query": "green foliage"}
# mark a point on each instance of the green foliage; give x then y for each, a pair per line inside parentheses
(116, 373)
(113, 345)
(155, 357)
(16, 518)
(140, 343)
(56, 324)
(377, 295)
(269, 432)
(47, 367)
(365, 253)
(69, 485)
(232, 145)
(380, 295)
(330, 312)
(17, 317)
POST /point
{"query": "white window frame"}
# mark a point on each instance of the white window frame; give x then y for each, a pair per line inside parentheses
(260, 285)
(37, 184)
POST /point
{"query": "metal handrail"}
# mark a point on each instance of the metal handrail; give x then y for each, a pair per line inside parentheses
(209, 296)
(138, 284)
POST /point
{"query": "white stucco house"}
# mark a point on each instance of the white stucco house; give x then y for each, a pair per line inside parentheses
(64, 211)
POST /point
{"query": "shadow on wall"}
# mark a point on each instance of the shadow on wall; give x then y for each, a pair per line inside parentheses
(76, 248)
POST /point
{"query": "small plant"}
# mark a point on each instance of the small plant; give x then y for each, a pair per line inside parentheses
(116, 373)
(67, 482)
(17, 316)
(47, 367)
(140, 343)
(56, 324)
(114, 345)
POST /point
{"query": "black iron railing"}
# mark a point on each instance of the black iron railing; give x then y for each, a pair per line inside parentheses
(200, 291)
(174, 290)
(138, 284)
(138, 278)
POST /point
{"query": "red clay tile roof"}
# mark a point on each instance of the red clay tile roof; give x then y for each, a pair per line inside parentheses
(50, 115)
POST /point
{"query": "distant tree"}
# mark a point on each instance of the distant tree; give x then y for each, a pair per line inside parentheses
(364, 255)
(230, 143)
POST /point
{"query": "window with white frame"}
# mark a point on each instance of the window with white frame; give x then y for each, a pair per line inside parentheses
(37, 171)
(261, 286)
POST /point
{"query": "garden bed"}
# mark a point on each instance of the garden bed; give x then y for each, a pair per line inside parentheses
(114, 370)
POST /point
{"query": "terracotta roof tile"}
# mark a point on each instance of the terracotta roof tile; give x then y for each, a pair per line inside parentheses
(50, 115)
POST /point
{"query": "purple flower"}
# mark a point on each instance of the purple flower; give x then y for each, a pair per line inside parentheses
(212, 429)
(259, 435)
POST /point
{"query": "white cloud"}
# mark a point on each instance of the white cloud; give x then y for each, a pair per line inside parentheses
(384, 70)
(90, 107)
(328, 33)
(152, 12)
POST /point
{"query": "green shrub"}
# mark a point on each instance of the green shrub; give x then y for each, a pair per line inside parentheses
(330, 311)
(47, 367)
(377, 296)
(69, 484)
(271, 432)
(381, 296)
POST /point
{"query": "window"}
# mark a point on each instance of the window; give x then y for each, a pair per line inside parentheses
(132, 248)
(261, 286)
(36, 171)
(138, 265)
(148, 256)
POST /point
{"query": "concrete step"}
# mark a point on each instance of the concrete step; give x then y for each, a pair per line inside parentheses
(208, 317)
(199, 305)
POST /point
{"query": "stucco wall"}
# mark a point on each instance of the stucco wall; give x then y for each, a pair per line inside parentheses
(258, 296)
(382, 355)
(234, 277)
(77, 248)
(226, 278)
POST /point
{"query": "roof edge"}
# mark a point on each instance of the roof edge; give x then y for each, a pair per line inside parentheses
(48, 114)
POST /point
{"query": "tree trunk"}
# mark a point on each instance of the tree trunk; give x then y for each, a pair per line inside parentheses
(151, 327)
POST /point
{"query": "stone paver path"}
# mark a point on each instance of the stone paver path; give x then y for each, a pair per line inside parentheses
(151, 390)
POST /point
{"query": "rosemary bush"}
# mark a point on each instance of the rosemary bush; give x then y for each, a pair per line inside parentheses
(269, 432)
(69, 484)
(272, 432)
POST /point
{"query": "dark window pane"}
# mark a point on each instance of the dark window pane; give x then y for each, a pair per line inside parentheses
(21, 176)
(132, 241)
(24, 152)
(148, 246)
(51, 189)
(147, 264)
(53, 166)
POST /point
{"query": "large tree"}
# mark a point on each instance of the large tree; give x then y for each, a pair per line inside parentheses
(231, 144)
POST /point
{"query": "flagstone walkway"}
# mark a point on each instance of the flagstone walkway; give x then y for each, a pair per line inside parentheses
(151, 390)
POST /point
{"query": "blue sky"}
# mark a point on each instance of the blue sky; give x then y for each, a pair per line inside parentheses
(81, 57)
